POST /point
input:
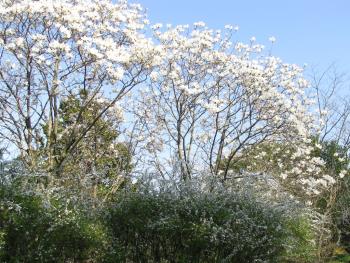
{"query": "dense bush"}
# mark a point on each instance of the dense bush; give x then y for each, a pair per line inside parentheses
(196, 226)
(33, 232)
(342, 215)
(153, 224)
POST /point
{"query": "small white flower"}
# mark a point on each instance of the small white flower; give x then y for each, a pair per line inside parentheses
(119, 73)
(154, 76)
(318, 146)
(199, 24)
(323, 112)
(157, 26)
(284, 176)
(272, 39)
(330, 179)
(342, 173)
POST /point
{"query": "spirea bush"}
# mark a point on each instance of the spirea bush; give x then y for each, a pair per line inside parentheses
(192, 222)
(34, 232)
(191, 225)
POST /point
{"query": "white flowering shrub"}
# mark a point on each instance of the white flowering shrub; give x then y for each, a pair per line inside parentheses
(190, 223)
(34, 231)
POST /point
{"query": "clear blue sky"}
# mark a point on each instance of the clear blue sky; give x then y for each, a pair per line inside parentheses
(316, 32)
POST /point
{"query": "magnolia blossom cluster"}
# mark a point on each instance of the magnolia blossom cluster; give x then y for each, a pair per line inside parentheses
(99, 32)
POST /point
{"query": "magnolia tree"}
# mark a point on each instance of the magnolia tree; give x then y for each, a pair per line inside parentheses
(210, 101)
(54, 49)
(332, 106)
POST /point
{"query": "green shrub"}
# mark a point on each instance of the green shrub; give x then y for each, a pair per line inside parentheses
(196, 226)
(299, 243)
(145, 225)
(31, 232)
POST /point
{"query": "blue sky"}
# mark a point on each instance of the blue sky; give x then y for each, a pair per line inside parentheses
(316, 32)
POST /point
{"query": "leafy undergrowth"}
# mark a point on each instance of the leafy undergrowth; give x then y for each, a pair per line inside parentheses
(144, 225)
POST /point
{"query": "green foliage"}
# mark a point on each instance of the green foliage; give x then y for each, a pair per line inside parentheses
(334, 156)
(335, 202)
(300, 247)
(31, 232)
(98, 151)
(341, 259)
(342, 215)
(195, 226)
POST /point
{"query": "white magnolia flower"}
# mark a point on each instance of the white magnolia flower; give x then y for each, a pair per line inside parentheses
(199, 24)
(154, 76)
(272, 39)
